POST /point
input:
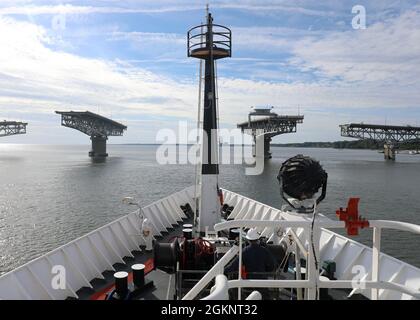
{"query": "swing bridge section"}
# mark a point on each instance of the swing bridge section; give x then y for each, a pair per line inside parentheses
(263, 125)
(10, 128)
(391, 136)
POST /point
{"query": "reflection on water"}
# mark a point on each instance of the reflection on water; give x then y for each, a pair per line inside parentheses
(50, 195)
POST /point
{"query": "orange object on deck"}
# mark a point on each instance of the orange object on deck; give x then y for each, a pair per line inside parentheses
(351, 217)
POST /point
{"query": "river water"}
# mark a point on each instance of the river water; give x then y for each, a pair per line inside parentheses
(50, 195)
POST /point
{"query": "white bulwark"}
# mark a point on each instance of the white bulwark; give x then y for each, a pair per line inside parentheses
(87, 257)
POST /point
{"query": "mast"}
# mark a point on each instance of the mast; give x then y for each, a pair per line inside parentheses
(217, 45)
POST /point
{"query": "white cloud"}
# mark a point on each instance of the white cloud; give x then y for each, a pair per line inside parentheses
(36, 79)
(258, 6)
(76, 9)
(386, 52)
(163, 7)
(149, 36)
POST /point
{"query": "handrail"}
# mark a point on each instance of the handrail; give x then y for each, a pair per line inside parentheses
(255, 295)
(298, 242)
(398, 225)
(201, 44)
(205, 25)
(222, 34)
(220, 289)
(325, 223)
(304, 222)
(337, 284)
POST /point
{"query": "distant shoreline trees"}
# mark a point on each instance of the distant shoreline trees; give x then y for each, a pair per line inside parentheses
(350, 144)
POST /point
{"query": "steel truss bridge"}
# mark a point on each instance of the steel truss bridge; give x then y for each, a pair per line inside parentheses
(91, 124)
(9, 128)
(391, 136)
(269, 125)
(94, 125)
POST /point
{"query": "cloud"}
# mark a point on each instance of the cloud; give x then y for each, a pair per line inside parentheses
(75, 9)
(162, 7)
(36, 79)
(386, 52)
(325, 9)
(257, 6)
(159, 37)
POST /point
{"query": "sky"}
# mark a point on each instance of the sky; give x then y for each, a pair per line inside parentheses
(127, 60)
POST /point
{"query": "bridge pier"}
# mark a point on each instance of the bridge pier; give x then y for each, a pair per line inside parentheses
(389, 151)
(267, 153)
(98, 147)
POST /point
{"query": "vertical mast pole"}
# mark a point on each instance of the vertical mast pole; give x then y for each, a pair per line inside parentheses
(216, 44)
(209, 204)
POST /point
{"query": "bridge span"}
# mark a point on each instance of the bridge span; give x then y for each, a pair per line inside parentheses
(99, 128)
(391, 136)
(10, 128)
(264, 123)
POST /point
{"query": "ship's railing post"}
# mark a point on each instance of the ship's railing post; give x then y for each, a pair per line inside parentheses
(297, 267)
(376, 251)
(240, 262)
(311, 269)
(298, 242)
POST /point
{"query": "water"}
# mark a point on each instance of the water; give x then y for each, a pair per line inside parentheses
(50, 195)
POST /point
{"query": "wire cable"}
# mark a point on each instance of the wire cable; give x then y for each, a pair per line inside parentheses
(313, 248)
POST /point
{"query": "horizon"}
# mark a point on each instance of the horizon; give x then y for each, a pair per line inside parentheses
(176, 144)
(127, 61)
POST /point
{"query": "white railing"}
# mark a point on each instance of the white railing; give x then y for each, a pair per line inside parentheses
(220, 289)
(313, 283)
(255, 295)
